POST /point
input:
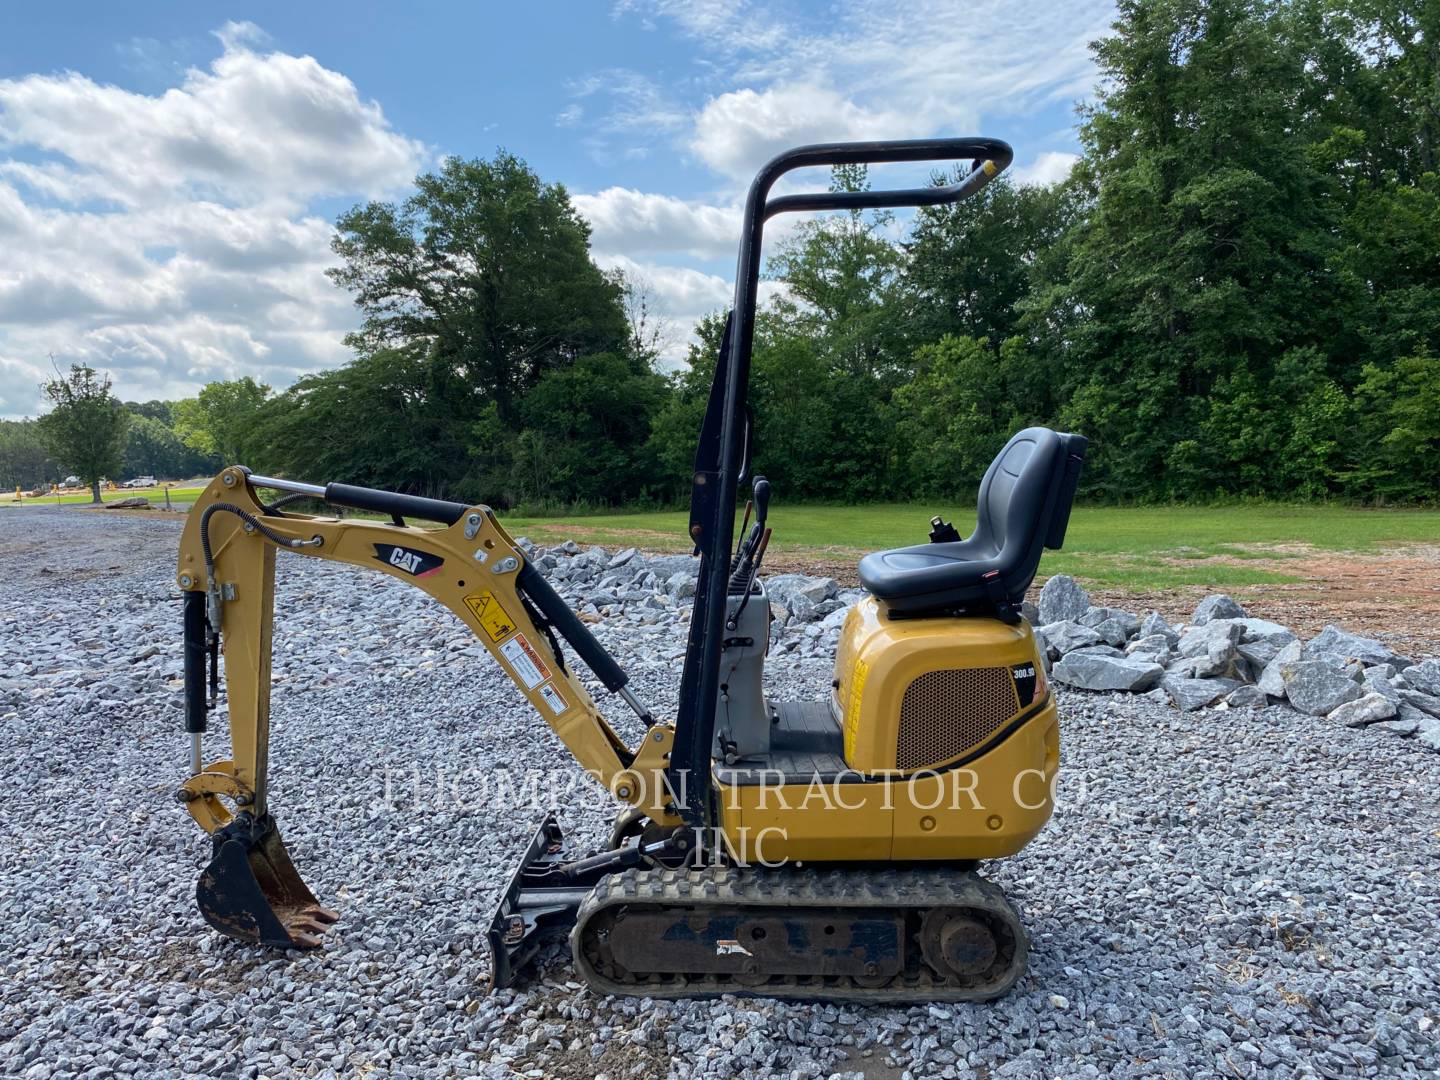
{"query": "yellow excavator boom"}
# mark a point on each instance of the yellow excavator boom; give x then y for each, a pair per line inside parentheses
(227, 570)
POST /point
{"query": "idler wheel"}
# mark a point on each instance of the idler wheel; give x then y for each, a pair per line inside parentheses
(967, 945)
(959, 943)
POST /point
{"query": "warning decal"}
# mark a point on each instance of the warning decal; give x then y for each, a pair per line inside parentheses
(553, 698)
(525, 662)
(494, 618)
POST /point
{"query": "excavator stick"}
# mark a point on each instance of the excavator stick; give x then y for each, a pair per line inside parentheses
(250, 891)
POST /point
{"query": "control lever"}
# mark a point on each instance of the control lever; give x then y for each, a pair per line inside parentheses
(750, 573)
(762, 500)
(744, 540)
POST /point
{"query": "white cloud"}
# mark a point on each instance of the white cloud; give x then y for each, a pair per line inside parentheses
(625, 114)
(166, 238)
(738, 132)
(782, 75)
(254, 126)
(623, 220)
(1050, 167)
(682, 296)
(876, 69)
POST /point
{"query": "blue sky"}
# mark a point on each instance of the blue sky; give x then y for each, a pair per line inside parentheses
(169, 173)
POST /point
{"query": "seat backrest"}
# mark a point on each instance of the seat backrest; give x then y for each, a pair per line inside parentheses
(1025, 500)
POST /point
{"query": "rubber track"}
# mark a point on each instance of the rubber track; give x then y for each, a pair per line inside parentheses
(729, 887)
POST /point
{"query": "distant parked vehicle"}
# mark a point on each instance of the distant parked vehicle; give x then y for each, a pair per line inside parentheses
(70, 481)
(140, 482)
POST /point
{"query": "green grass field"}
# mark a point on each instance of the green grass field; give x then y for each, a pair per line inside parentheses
(179, 496)
(1137, 549)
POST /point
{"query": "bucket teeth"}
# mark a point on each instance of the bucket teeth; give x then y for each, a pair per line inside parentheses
(308, 923)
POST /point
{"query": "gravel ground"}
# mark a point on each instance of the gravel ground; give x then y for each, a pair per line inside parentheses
(1241, 893)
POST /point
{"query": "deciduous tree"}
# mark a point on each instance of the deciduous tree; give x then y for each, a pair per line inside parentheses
(85, 427)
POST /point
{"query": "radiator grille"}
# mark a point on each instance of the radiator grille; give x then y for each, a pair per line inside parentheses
(946, 713)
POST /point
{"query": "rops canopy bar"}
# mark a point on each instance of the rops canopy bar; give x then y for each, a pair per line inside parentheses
(718, 458)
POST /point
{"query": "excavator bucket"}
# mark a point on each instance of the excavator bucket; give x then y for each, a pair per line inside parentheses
(250, 890)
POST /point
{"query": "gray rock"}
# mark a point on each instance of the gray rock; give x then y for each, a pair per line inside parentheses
(1099, 615)
(1424, 676)
(1364, 710)
(1408, 720)
(1318, 687)
(1221, 661)
(1067, 636)
(1397, 727)
(1258, 653)
(1345, 646)
(1217, 606)
(1090, 671)
(1375, 682)
(1426, 703)
(785, 586)
(1247, 697)
(1192, 694)
(623, 556)
(1097, 650)
(1263, 630)
(1154, 647)
(1118, 629)
(1154, 623)
(1199, 640)
(1428, 733)
(1062, 599)
(1030, 612)
(1272, 679)
(664, 567)
(803, 609)
(680, 585)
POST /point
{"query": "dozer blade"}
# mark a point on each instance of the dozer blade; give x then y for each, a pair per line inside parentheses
(538, 905)
(251, 892)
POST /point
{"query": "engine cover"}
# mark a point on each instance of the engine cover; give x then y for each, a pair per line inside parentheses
(913, 694)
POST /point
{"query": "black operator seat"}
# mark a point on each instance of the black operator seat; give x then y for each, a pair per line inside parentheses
(1024, 506)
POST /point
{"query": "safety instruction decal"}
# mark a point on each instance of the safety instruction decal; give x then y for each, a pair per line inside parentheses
(553, 698)
(492, 615)
(529, 668)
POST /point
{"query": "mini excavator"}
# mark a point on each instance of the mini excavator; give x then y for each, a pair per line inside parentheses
(805, 849)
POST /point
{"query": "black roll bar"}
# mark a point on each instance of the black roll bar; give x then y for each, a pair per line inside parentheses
(712, 513)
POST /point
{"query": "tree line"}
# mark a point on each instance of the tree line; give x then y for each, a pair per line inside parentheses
(89, 433)
(1235, 294)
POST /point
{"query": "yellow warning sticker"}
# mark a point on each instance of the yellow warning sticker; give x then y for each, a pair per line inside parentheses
(527, 664)
(493, 617)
